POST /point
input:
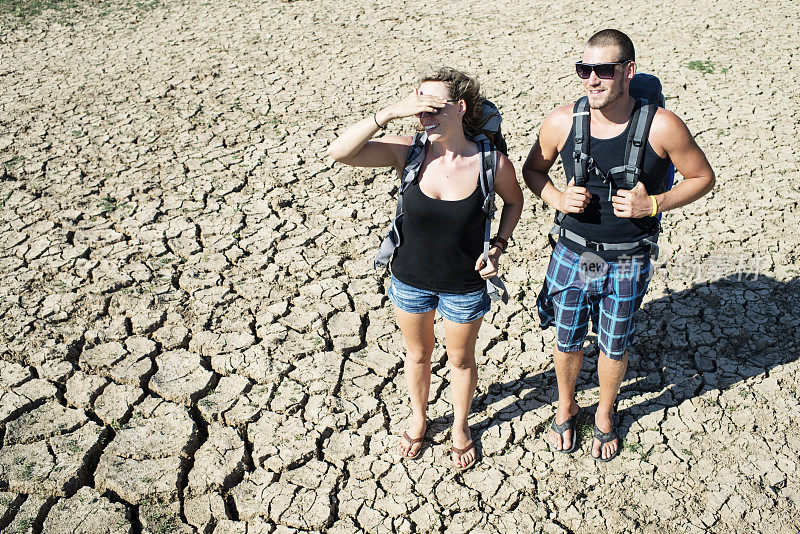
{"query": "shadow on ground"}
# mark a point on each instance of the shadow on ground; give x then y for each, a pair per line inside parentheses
(708, 337)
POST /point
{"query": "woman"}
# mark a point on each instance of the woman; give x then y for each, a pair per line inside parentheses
(439, 264)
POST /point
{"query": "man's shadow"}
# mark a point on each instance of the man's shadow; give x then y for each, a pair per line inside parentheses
(708, 337)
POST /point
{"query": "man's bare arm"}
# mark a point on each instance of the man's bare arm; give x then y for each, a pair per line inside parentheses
(671, 134)
(541, 158)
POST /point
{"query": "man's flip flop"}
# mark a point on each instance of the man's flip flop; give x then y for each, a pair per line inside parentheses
(605, 437)
(462, 452)
(569, 424)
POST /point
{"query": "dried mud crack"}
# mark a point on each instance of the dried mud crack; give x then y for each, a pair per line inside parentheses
(193, 339)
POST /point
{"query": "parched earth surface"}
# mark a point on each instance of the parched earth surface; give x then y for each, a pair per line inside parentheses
(192, 338)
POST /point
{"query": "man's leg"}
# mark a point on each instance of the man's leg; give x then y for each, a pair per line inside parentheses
(610, 374)
(570, 312)
(568, 367)
(626, 285)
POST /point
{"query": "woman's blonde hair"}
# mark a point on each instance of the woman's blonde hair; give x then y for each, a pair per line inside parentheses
(462, 87)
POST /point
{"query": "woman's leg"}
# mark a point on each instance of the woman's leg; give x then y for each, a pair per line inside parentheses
(417, 330)
(460, 341)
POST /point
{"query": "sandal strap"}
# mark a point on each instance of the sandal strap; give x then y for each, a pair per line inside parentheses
(411, 440)
(462, 452)
(569, 424)
(605, 437)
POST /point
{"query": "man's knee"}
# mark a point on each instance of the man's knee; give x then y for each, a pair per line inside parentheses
(567, 354)
(613, 357)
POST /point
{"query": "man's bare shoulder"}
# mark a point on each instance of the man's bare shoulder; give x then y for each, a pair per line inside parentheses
(666, 122)
(561, 117)
(556, 127)
(665, 130)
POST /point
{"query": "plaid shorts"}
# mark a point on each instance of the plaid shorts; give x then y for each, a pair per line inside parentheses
(609, 293)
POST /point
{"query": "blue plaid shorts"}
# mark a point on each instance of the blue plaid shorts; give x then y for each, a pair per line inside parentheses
(608, 293)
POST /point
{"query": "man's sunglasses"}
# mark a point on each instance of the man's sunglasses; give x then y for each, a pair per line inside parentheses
(604, 71)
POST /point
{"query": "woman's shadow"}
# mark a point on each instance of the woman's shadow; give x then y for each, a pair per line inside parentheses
(708, 337)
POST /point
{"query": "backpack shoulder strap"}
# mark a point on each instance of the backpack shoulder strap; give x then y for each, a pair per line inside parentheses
(580, 132)
(414, 159)
(494, 286)
(580, 151)
(488, 167)
(641, 120)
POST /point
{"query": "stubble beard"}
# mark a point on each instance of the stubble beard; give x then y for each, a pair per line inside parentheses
(612, 96)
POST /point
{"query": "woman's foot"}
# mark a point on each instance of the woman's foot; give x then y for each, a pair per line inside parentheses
(411, 440)
(463, 450)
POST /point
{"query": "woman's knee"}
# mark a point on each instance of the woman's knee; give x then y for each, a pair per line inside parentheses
(462, 359)
(419, 354)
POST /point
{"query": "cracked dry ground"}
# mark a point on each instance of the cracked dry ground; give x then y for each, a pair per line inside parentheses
(192, 338)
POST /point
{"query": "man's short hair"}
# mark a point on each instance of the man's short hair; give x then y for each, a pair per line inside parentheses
(610, 37)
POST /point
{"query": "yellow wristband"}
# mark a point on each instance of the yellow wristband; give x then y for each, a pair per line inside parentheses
(655, 206)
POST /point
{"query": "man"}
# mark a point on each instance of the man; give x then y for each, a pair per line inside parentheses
(600, 267)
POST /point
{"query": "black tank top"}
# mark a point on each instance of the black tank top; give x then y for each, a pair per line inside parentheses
(441, 240)
(598, 222)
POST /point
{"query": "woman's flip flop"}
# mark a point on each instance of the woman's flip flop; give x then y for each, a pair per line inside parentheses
(462, 452)
(412, 441)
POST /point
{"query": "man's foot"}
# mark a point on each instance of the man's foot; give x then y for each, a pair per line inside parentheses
(606, 442)
(463, 450)
(565, 439)
(409, 446)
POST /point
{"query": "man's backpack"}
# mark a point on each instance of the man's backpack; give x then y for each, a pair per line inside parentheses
(647, 89)
(488, 168)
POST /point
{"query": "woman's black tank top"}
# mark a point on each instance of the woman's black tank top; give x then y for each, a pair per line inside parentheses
(441, 241)
(598, 222)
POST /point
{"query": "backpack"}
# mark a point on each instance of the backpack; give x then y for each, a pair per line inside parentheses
(416, 155)
(647, 89)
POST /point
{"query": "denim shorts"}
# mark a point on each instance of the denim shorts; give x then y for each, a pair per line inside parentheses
(609, 298)
(455, 307)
